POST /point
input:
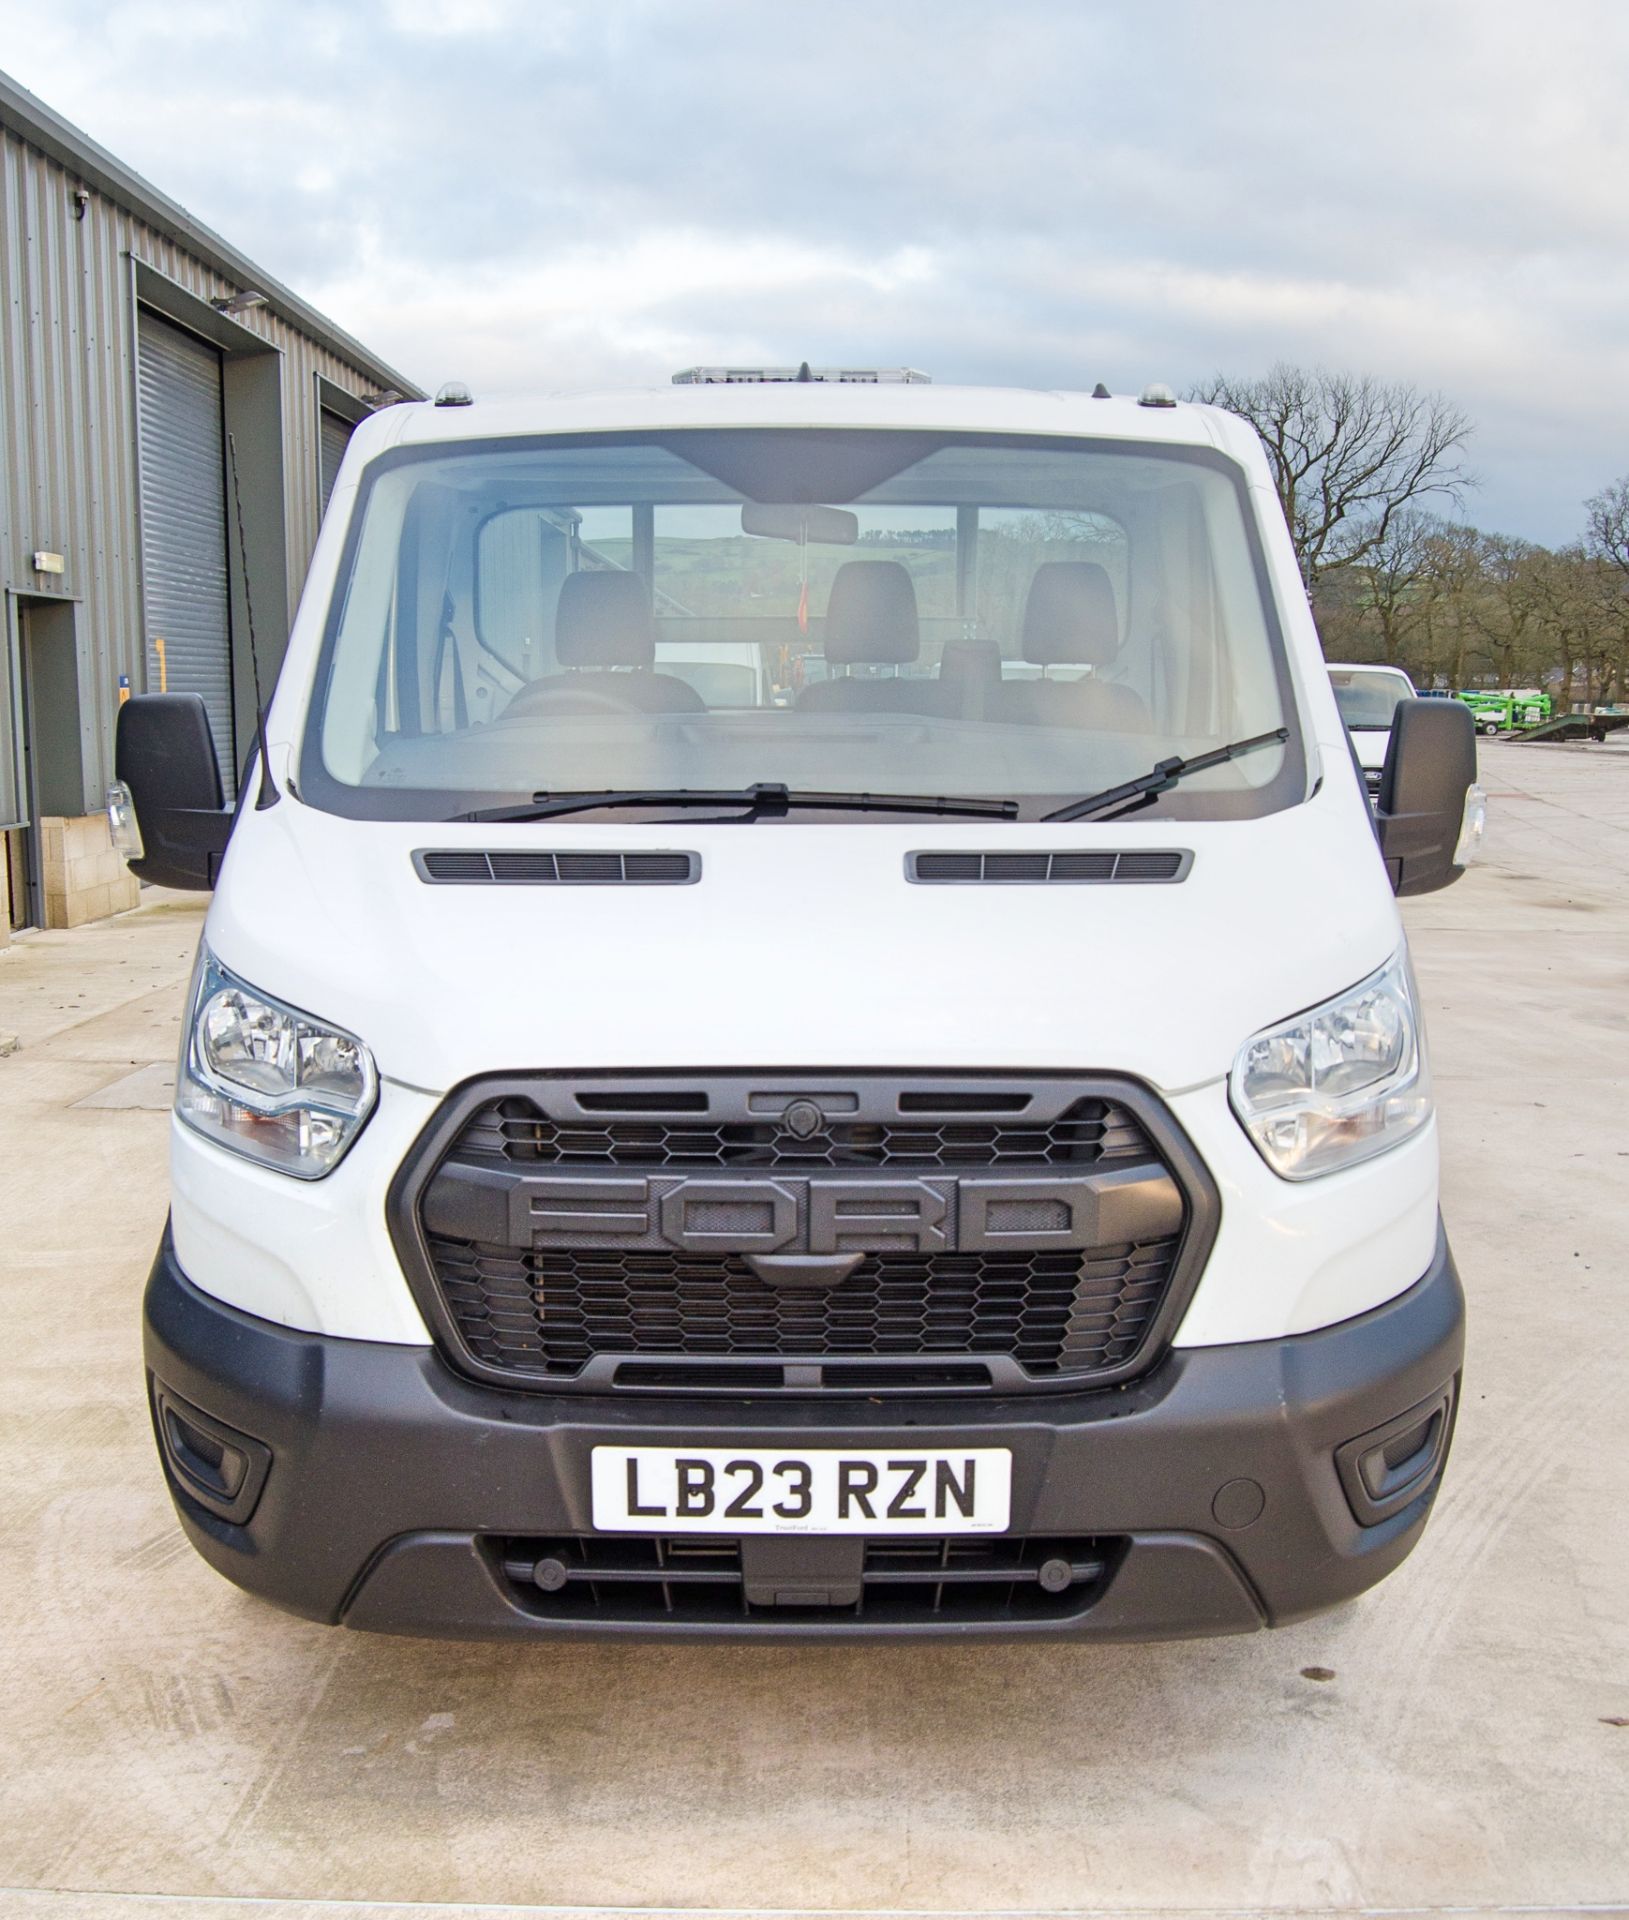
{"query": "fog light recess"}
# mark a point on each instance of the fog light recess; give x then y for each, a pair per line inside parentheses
(1388, 1468)
(212, 1463)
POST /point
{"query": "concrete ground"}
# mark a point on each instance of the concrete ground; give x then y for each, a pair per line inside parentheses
(171, 1747)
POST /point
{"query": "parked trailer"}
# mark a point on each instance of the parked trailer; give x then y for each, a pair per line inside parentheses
(1574, 726)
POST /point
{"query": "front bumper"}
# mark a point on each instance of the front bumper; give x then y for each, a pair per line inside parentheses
(1223, 1487)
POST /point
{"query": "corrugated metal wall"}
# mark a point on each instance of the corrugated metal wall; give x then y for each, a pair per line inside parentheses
(68, 476)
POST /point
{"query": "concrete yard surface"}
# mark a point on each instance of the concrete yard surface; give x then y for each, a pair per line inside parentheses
(174, 1748)
(126, 1906)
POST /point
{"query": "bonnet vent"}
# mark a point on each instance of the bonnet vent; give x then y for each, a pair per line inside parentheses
(518, 867)
(994, 869)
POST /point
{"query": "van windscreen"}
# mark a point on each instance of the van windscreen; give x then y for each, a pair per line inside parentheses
(1369, 700)
(830, 610)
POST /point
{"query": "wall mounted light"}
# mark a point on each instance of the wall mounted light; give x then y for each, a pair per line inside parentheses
(236, 303)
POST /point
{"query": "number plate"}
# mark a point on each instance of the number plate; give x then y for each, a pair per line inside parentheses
(734, 1490)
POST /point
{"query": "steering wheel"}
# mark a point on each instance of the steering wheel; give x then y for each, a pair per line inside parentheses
(540, 700)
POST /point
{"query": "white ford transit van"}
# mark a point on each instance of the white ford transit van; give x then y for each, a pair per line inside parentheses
(944, 1148)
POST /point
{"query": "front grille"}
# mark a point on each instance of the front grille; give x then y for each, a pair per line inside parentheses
(518, 1130)
(965, 1581)
(550, 1312)
(802, 1233)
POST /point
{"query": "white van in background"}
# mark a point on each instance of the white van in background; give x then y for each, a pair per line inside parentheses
(726, 674)
(919, 1151)
(1368, 698)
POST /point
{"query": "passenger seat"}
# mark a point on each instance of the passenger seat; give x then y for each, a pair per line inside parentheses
(605, 635)
(1070, 619)
(871, 621)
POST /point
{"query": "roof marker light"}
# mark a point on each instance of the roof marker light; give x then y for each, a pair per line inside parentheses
(453, 393)
(1157, 394)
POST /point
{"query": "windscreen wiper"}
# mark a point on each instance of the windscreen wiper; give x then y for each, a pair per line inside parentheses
(763, 800)
(1142, 792)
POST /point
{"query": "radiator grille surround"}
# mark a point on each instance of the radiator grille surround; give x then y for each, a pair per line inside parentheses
(583, 1234)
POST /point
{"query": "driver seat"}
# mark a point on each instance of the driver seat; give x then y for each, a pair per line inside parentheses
(605, 638)
(1071, 619)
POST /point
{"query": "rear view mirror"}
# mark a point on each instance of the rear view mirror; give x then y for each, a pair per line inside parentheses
(826, 526)
(164, 757)
(1422, 812)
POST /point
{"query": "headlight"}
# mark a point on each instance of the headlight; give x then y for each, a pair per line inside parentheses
(1339, 1082)
(268, 1081)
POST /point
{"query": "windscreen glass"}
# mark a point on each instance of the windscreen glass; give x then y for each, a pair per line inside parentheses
(1368, 701)
(852, 612)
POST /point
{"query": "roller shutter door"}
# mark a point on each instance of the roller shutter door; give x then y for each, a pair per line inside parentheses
(333, 437)
(183, 523)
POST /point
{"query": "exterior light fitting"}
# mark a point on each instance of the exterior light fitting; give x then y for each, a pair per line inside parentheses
(236, 303)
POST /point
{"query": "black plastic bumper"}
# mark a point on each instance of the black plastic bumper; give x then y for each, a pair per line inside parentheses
(376, 1480)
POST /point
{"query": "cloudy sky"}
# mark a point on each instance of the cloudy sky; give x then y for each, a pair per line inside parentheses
(538, 195)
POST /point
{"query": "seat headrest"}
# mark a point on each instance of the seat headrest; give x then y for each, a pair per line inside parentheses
(604, 620)
(1070, 618)
(871, 615)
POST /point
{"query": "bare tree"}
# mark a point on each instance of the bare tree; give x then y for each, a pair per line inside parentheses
(1453, 603)
(1510, 616)
(1349, 453)
(1606, 534)
(1453, 579)
(1586, 616)
(1380, 606)
(1606, 542)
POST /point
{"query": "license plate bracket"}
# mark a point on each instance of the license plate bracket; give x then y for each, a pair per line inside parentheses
(802, 1569)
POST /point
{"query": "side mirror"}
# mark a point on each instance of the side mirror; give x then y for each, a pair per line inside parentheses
(165, 758)
(1421, 811)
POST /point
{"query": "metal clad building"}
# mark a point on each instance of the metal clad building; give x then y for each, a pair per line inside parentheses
(120, 383)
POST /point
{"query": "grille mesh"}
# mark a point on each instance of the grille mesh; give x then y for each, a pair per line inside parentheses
(548, 1313)
(1088, 1132)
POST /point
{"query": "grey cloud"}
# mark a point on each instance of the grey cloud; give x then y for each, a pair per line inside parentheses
(1096, 190)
